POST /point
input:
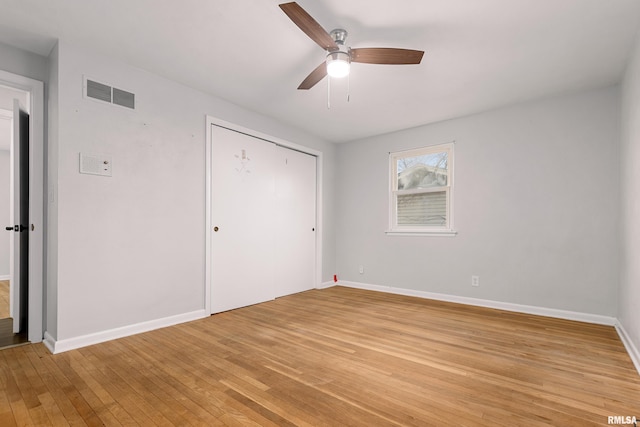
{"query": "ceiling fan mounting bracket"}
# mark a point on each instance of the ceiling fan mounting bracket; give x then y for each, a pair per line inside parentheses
(339, 35)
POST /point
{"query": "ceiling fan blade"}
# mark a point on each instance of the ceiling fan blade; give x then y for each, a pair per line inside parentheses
(316, 75)
(308, 25)
(385, 55)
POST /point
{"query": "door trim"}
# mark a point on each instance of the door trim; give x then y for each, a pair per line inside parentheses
(35, 89)
(213, 121)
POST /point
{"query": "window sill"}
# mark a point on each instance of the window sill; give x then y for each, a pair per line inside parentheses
(441, 233)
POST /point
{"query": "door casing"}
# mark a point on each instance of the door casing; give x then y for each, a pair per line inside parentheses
(35, 107)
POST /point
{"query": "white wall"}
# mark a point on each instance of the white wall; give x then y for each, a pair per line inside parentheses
(130, 248)
(536, 207)
(4, 212)
(629, 314)
(27, 64)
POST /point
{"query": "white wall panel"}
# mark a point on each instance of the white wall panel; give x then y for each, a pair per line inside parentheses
(536, 207)
(130, 248)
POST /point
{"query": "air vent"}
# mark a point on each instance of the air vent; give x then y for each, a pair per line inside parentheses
(112, 95)
(98, 91)
(124, 98)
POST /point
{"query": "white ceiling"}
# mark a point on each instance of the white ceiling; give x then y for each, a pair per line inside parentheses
(480, 54)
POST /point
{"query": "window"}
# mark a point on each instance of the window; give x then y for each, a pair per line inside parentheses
(422, 191)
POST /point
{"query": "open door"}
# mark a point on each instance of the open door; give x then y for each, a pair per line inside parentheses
(19, 288)
(27, 187)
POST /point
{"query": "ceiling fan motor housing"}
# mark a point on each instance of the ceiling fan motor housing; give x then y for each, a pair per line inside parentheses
(339, 36)
(339, 60)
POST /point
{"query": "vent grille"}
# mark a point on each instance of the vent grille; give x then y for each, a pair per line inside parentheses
(98, 91)
(112, 95)
(124, 98)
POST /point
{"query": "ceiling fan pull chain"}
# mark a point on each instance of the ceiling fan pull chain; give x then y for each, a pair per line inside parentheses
(329, 93)
(348, 87)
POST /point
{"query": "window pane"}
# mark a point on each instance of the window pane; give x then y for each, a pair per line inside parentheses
(429, 170)
(423, 209)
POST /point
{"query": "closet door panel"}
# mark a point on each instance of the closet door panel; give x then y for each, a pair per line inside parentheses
(243, 211)
(295, 221)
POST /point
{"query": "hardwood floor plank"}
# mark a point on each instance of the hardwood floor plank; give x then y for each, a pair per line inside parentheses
(113, 375)
(17, 402)
(177, 401)
(7, 419)
(106, 407)
(332, 357)
(54, 414)
(4, 299)
(110, 392)
(40, 358)
(6, 413)
(151, 388)
(206, 399)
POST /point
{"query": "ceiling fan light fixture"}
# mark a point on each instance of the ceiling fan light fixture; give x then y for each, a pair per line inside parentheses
(339, 57)
(338, 64)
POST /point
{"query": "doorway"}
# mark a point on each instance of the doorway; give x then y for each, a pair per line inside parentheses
(26, 243)
(262, 217)
(14, 144)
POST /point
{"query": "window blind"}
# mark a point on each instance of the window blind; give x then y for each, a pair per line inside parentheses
(423, 209)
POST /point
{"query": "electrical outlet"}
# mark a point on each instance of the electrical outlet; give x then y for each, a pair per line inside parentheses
(475, 280)
(361, 269)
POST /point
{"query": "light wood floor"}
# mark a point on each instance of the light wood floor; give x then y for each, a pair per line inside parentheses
(332, 357)
(7, 337)
(4, 299)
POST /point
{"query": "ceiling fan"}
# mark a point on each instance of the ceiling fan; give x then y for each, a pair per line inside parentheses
(339, 57)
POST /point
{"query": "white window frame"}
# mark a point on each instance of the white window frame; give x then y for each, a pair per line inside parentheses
(421, 230)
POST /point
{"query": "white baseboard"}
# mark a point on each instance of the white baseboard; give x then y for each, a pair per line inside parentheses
(628, 344)
(59, 346)
(518, 308)
(5, 277)
(326, 285)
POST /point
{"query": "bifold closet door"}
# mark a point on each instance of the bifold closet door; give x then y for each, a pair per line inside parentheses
(243, 208)
(263, 215)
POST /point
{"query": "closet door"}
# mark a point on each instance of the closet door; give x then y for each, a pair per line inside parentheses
(242, 213)
(295, 221)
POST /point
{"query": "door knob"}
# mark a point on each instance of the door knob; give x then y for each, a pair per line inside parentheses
(215, 229)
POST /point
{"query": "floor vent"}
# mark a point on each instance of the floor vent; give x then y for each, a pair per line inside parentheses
(112, 95)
